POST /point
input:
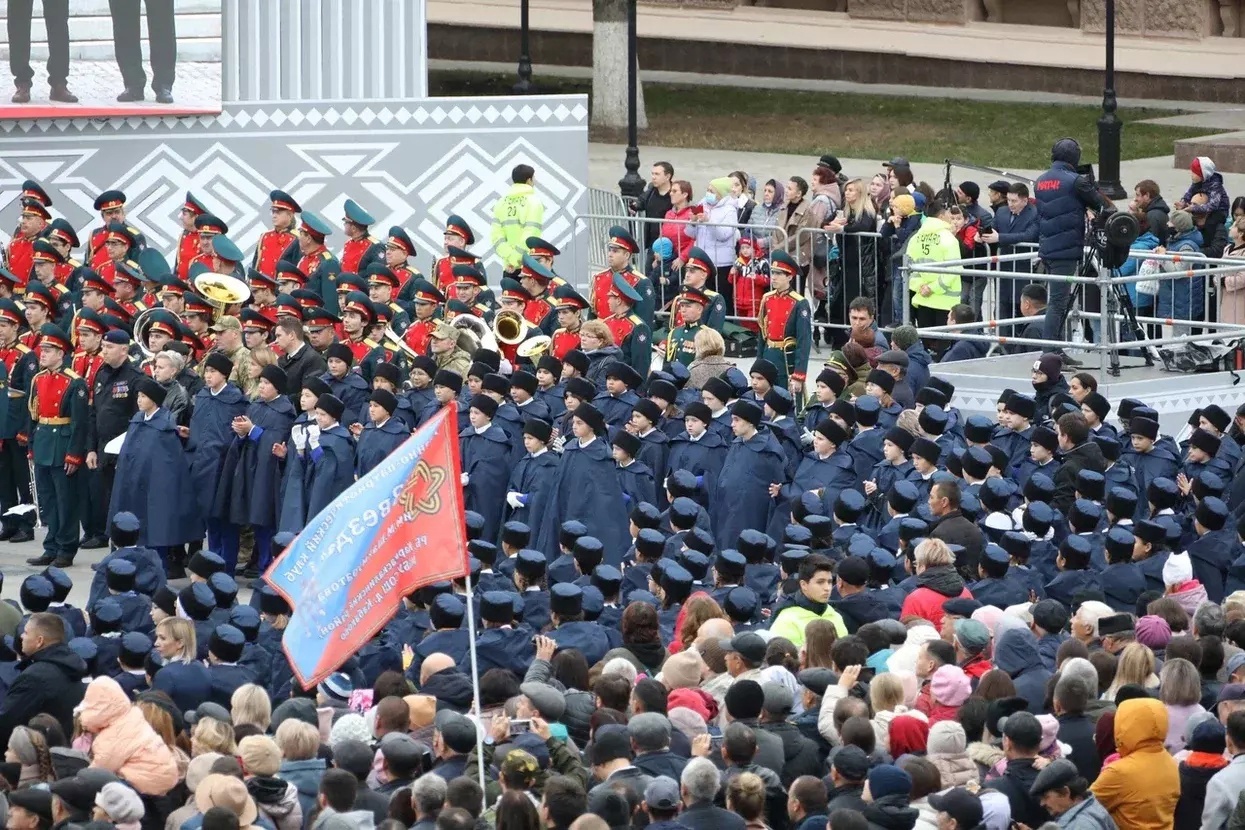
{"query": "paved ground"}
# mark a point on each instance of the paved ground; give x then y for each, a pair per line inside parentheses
(97, 83)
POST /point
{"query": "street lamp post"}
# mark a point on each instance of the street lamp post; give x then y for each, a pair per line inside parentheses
(631, 184)
(1109, 125)
(524, 86)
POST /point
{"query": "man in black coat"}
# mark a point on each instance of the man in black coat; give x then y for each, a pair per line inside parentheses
(299, 360)
(1022, 739)
(699, 785)
(49, 679)
(800, 755)
(953, 528)
(1079, 453)
(114, 401)
(1075, 727)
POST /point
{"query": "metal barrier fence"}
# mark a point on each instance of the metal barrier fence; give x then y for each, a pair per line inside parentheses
(1183, 308)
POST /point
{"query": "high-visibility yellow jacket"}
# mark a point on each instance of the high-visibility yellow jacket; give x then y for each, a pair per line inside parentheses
(933, 242)
(516, 216)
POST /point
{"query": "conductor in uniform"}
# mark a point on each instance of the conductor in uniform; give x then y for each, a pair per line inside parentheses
(114, 400)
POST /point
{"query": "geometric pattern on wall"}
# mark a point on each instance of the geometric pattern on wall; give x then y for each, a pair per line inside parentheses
(409, 163)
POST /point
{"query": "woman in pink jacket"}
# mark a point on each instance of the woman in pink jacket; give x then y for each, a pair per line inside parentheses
(123, 741)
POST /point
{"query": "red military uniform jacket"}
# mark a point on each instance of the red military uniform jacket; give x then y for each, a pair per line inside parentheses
(443, 271)
(64, 270)
(563, 342)
(107, 271)
(360, 348)
(620, 327)
(87, 365)
(418, 335)
(21, 257)
(268, 252)
(187, 250)
(132, 307)
(98, 253)
(352, 253)
(29, 339)
(537, 309)
(599, 291)
(404, 273)
(10, 358)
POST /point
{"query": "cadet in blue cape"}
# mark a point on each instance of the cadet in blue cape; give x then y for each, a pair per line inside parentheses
(618, 399)
(728, 573)
(448, 635)
(1118, 472)
(650, 543)
(1074, 574)
(855, 603)
(996, 587)
(1202, 455)
(382, 434)
(420, 399)
(528, 489)
(587, 488)
(62, 584)
(1122, 579)
(866, 447)
(225, 591)
(882, 567)
(829, 386)
(215, 407)
(106, 619)
(224, 650)
(1084, 519)
(549, 389)
(1019, 547)
(717, 394)
(879, 384)
(564, 568)
(255, 658)
(1216, 547)
(894, 467)
(503, 644)
(845, 514)
(1040, 458)
(1015, 434)
(646, 417)
(901, 499)
(1162, 497)
(698, 449)
(1148, 458)
(1036, 521)
(515, 536)
(760, 572)
(507, 417)
(777, 407)
(149, 576)
(183, 676)
(634, 477)
(198, 602)
(671, 583)
(486, 454)
(570, 630)
(1216, 421)
(578, 391)
(348, 386)
(925, 455)
(755, 461)
(608, 581)
(1120, 504)
(932, 421)
(249, 491)
(1150, 552)
(120, 576)
(131, 675)
(321, 467)
(153, 476)
(529, 577)
(826, 470)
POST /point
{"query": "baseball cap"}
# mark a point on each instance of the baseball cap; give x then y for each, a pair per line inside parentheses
(662, 793)
(748, 645)
(960, 804)
(1236, 662)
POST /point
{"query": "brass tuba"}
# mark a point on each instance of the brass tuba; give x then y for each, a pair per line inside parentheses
(509, 327)
(221, 291)
(535, 347)
(476, 332)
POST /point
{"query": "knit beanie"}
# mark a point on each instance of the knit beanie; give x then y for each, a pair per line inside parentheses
(888, 779)
(903, 205)
(1153, 632)
(908, 735)
(682, 671)
(259, 755)
(121, 804)
(350, 727)
(947, 738)
(950, 686)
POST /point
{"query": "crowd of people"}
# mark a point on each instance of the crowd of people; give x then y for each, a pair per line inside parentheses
(791, 598)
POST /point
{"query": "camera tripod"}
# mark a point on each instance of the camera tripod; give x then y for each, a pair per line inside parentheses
(1116, 305)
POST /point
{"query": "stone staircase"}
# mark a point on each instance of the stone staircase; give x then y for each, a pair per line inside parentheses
(90, 31)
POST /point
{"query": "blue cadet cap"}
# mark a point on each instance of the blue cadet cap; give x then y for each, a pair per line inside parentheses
(682, 483)
(696, 563)
(37, 591)
(592, 602)
(607, 578)
(730, 561)
(1016, 543)
(225, 248)
(675, 574)
(197, 600)
(1077, 544)
(903, 496)
(574, 527)
(59, 579)
(850, 504)
(357, 214)
(1209, 484)
(497, 606)
(647, 514)
(1119, 538)
(791, 559)
(446, 611)
(1086, 508)
(996, 553)
(226, 643)
(1040, 511)
(224, 588)
(880, 558)
(796, 535)
(650, 541)
(860, 544)
(818, 525)
(699, 539)
(1089, 478)
(530, 562)
(1039, 487)
(911, 527)
(135, 646)
(685, 510)
(752, 544)
(642, 596)
(246, 619)
(741, 603)
(107, 613)
(121, 567)
(566, 598)
(943, 477)
(85, 648)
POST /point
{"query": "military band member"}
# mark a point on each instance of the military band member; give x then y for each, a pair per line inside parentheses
(514, 297)
(274, 243)
(631, 334)
(8, 283)
(382, 285)
(46, 259)
(289, 277)
(263, 289)
(86, 357)
(785, 323)
(20, 364)
(32, 192)
(119, 245)
(696, 272)
(469, 290)
(56, 433)
(111, 207)
(162, 328)
(198, 316)
(65, 239)
(39, 306)
(321, 328)
(398, 252)
(257, 328)
(427, 300)
(536, 279)
(127, 278)
(619, 250)
(385, 351)
(172, 294)
(568, 304)
(287, 307)
(692, 304)
(357, 316)
(188, 243)
(227, 257)
(34, 219)
(317, 262)
(457, 235)
(361, 249)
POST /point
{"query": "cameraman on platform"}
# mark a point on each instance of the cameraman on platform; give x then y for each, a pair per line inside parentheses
(1063, 195)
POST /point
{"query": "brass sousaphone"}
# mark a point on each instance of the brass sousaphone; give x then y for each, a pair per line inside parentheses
(221, 291)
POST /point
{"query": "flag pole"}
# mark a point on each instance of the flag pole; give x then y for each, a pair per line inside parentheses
(475, 689)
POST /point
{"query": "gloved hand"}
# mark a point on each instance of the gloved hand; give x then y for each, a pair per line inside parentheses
(515, 499)
(558, 443)
(806, 438)
(464, 479)
(299, 434)
(313, 437)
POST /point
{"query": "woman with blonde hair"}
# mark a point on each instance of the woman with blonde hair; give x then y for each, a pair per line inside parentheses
(299, 743)
(597, 343)
(212, 735)
(183, 678)
(855, 227)
(710, 359)
(250, 704)
(745, 795)
(886, 698)
(1136, 667)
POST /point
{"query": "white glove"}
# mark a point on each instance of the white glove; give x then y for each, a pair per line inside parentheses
(299, 434)
(313, 436)
(558, 443)
(806, 438)
(512, 499)
(464, 479)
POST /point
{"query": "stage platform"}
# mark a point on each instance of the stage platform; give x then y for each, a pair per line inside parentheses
(978, 384)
